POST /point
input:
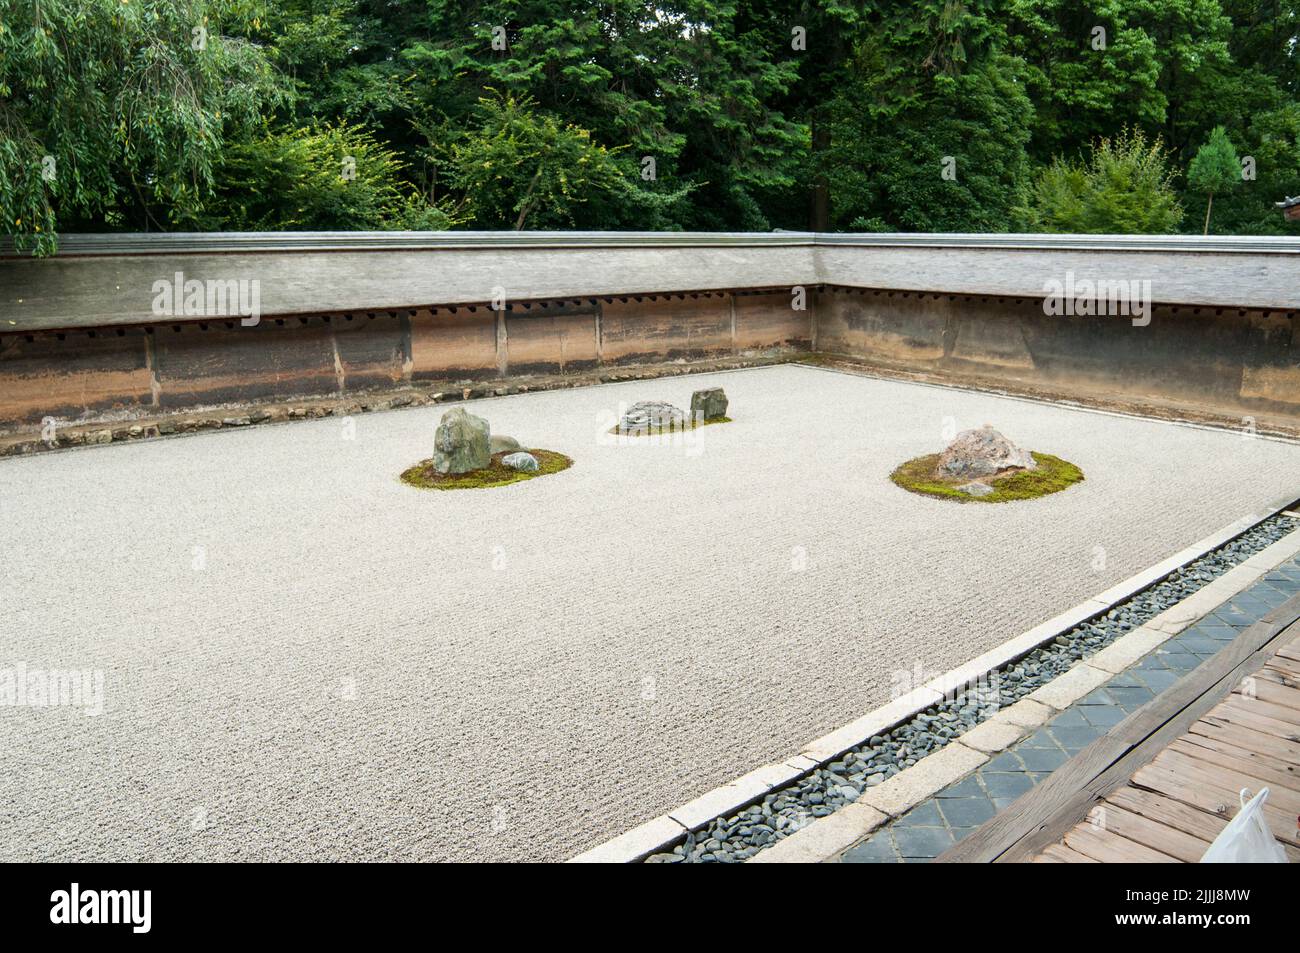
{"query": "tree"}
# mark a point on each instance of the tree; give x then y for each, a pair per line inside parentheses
(1215, 168)
(944, 115)
(319, 177)
(1123, 186)
(692, 84)
(1272, 140)
(1096, 66)
(116, 112)
(518, 165)
(929, 130)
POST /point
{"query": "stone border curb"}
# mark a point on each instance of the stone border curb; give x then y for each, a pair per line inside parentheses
(650, 837)
(831, 746)
(824, 838)
(922, 780)
(637, 843)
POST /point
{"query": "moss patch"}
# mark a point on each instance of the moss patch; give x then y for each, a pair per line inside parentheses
(424, 476)
(1053, 475)
(665, 431)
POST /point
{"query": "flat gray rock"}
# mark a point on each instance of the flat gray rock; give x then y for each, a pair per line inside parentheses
(981, 453)
(500, 443)
(976, 488)
(461, 443)
(521, 461)
(652, 415)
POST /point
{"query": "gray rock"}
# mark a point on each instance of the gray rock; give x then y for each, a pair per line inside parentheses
(976, 488)
(983, 452)
(461, 443)
(500, 443)
(648, 416)
(708, 404)
(521, 461)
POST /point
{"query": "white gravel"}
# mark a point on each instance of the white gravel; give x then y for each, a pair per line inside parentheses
(305, 659)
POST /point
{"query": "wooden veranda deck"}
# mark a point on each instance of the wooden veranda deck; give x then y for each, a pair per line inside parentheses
(1162, 784)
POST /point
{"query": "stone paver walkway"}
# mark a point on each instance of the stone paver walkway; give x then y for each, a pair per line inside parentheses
(933, 826)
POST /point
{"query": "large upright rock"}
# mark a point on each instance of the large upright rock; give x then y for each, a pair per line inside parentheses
(462, 443)
(708, 404)
(981, 453)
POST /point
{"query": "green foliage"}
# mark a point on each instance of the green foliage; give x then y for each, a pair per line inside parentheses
(1214, 168)
(689, 83)
(1154, 57)
(1272, 139)
(520, 167)
(932, 151)
(1123, 186)
(542, 114)
(326, 177)
(131, 101)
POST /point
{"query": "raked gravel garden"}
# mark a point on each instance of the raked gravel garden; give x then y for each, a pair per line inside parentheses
(323, 662)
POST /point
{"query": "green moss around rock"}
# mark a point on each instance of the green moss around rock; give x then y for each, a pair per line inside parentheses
(1052, 476)
(424, 476)
(668, 431)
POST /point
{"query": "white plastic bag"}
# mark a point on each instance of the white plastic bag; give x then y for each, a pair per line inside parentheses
(1246, 839)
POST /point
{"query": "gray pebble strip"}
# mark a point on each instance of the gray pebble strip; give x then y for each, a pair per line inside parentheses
(785, 810)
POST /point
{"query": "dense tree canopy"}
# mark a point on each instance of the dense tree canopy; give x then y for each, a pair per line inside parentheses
(943, 115)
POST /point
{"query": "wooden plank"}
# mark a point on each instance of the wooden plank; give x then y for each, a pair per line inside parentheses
(1192, 821)
(1061, 854)
(1210, 767)
(1203, 825)
(1285, 666)
(1044, 813)
(1275, 753)
(1151, 833)
(1260, 708)
(1215, 795)
(1266, 690)
(1230, 714)
(1282, 671)
(1110, 848)
(1276, 779)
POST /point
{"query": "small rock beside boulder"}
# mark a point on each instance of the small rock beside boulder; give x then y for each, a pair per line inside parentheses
(521, 461)
(981, 453)
(975, 488)
(708, 404)
(652, 416)
(500, 443)
(461, 443)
